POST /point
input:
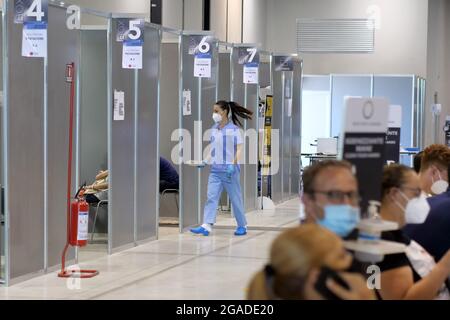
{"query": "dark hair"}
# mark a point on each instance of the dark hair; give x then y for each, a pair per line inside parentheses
(417, 161)
(236, 111)
(436, 154)
(394, 176)
(311, 172)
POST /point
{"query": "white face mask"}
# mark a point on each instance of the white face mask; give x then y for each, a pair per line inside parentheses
(217, 117)
(440, 186)
(417, 209)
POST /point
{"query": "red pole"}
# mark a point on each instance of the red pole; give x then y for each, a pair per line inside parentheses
(71, 77)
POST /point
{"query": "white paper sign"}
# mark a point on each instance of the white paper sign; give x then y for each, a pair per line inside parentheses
(83, 221)
(251, 74)
(34, 40)
(119, 105)
(132, 55)
(366, 115)
(202, 66)
(395, 116)
(187, 105)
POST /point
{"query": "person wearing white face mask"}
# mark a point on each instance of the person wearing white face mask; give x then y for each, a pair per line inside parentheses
(434, 169)
(224, 156)
(433, 235)
(413, 274)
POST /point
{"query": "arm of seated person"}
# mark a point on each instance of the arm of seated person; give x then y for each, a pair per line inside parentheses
(101, 175)
(101, 186)
(398, 283)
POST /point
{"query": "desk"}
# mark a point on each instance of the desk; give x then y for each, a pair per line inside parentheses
(314, 157)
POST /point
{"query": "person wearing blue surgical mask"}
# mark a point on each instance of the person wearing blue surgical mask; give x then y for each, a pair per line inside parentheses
(224, 155)
(330, 196)
(413, 274)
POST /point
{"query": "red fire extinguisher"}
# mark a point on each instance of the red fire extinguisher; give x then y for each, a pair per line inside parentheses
(77, 208)
(79, 219)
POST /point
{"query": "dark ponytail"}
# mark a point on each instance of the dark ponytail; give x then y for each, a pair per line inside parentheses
(237, 111)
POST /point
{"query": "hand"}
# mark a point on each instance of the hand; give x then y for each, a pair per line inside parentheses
(202, 164)
(446, 260)
(231, 170)
(358, 288)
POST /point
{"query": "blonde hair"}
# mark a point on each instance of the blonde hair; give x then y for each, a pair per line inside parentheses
(293, 254)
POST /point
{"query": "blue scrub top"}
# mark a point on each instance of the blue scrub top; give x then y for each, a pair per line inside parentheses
(224, 144)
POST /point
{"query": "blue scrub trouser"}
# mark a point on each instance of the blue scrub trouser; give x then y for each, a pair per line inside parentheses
(216, 182)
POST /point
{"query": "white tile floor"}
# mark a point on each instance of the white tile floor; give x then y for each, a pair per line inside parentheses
(177, 266)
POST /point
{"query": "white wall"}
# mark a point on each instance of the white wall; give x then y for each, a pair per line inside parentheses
(235, 21)
(116, 6)
(193, 15)
(400, 43)
(254, 28)
(219, 17)
(438, 71)
(172, 14)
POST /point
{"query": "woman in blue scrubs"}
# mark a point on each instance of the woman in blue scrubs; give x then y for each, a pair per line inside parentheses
(226, 149)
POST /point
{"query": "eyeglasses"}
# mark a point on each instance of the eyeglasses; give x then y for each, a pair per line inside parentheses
(416, 191)
(339, 196)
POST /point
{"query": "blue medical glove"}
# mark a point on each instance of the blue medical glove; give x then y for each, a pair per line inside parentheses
(230, 170)
(203, 164)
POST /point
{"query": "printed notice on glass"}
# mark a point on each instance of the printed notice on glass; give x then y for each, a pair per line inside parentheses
(187, 105)
(119, 105)
(132, 54)
(251, 73)
(34, 39)
(202, 66)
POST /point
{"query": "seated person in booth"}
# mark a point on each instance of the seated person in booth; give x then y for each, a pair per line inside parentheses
(413, 274)
(299, 260)
(97, 191)
(168, 175)
(434, 233)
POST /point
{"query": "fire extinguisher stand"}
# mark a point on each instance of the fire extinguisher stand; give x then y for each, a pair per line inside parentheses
(70, 76)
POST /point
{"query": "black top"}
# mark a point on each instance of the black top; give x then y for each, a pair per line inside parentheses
(433, 234)
(397, 260)
(167, 172)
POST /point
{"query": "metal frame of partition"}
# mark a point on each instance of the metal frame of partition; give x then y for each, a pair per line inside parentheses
(224, 79)
(243, 95)
(48, 145)
(48, 141)
(190, 201)
(135, 133)
(282, 180)
(267, 60)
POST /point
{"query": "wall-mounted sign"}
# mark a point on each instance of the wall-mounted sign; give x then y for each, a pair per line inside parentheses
(202, 66)
(201, 47)
(131, 33)
(249, 57)
(199, 44)
(284, 63)
(33, 14)
(30, 11)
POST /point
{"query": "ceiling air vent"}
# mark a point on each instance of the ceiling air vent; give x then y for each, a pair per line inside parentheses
(335, 35)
